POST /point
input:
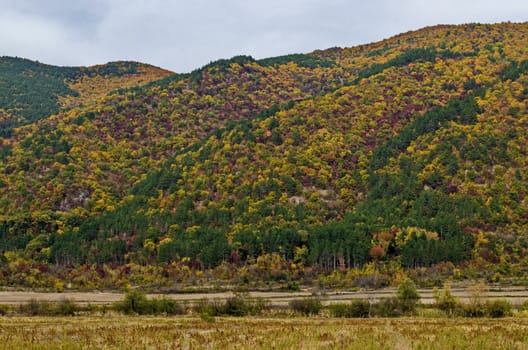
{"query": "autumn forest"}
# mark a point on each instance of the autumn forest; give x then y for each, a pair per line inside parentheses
(341, 167)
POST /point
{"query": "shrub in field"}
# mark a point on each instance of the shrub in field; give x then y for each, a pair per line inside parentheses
(208, 307)
(4, 309)
(207, 318)
(36, 307)
(292, 286)
(474, 310)
(92, 309)
(388, 307)
(165, 306)
(136, 302)
(446, 302)
(236, 306)
(306, 306)
(241, 304)
(408, 296)
(356, 308)
(66, 307)
(498, 308)
(475, 307)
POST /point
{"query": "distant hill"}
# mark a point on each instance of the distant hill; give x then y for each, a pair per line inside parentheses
(30, 90)
(409, 152)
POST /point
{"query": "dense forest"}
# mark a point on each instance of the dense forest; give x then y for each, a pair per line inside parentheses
(341, 167)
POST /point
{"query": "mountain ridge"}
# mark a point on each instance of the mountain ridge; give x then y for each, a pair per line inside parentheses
(47, 89)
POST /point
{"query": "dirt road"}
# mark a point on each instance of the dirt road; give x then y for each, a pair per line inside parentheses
(515, 295)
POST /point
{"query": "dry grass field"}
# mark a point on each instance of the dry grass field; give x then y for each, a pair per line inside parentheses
(120, 332)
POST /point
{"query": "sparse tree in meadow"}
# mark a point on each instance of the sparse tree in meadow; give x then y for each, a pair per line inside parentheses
(408, 296)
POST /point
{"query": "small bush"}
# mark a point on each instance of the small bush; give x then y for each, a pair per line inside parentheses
(166, 306)
(474, 310)
(446, 302)
(203, 306)
(207, 318)
(136, 302)
(306, 306)
(356, 308)
(292, 286)
(243, 305)
(4, 309)
(339, 310)
(499, 308)
(238, 305)
(475, 306)
(408, 296)
(91, 308)
(524, 306)
(66, 307)
(36, 307)
(210, 307)
(389, 307)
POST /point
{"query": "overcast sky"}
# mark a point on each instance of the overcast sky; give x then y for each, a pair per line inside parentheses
(182, 35)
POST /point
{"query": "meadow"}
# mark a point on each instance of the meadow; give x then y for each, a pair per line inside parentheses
(141, 332)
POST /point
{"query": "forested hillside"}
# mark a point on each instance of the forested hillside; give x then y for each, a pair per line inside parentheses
(346, 166)
(30, 91)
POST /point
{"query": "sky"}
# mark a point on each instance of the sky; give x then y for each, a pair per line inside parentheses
(182, 35)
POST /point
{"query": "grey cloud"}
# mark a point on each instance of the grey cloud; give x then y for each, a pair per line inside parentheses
(75, 15)
(183, 35)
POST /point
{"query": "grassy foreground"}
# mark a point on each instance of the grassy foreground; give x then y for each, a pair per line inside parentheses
(120, 332)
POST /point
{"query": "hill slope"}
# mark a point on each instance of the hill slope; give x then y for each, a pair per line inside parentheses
(31, 90)
(411, 150)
